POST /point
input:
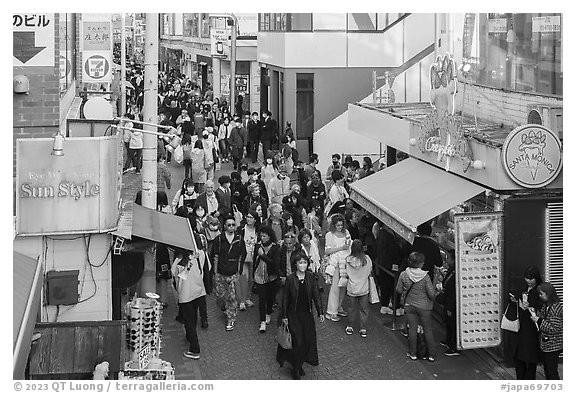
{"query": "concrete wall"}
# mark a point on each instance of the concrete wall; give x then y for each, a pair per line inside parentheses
(62, 253)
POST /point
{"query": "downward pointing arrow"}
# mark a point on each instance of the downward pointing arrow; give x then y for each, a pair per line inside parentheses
(25, 45)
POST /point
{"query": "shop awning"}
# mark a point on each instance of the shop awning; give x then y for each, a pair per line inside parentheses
(27, 276)
(161, 227)
(410, 193)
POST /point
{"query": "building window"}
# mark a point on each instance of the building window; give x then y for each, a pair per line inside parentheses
(521, 52)
(285, 22)
(304, 106)
(361, 22)
(67, 61)
(165, 25)
(205, 25)
(190, 25)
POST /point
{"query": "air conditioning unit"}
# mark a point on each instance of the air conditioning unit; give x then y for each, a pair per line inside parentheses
(547, 116)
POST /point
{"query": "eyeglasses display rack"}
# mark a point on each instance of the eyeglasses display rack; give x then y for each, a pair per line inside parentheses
(144, 339)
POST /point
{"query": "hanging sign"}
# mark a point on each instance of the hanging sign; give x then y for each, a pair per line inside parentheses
(72, 193)
(546, 24)
(478, 279)
(219, 46)
(144, 357)
(497, 25)
(532, 156)
(33, 36)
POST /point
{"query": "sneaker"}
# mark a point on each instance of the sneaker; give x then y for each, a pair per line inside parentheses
(342, 314)
(262, 327)
(242, 307)
(363, 333)
(349, 330)
(191, 355)
(451, 352)
(386, 310)
(404, 332)
(204, 324)
(399, 312)
(249, 303)
(230, 326)
(137, 172)
(333, 317)
(268, 318)
(431, 359)
(411, 356)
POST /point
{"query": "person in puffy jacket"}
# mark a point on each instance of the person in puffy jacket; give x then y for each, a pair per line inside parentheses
(415, 286)
(358, 269)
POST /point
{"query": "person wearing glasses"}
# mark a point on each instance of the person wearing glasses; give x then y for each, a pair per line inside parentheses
(229, 254)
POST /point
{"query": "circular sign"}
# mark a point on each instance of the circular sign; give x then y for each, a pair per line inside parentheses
(97, 108)
(532, 156)
(97, 67)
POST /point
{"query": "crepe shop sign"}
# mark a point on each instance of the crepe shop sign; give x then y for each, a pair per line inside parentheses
(532, 156)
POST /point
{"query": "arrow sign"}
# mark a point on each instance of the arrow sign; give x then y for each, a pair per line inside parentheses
(25, 45)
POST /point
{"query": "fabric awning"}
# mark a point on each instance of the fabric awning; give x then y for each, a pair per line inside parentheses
(410, 193)
(161, 227)
(26, 303)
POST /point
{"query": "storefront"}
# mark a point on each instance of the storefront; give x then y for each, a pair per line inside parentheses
(482, 184)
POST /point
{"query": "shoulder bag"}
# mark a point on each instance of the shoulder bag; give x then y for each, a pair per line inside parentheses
(373, 291)
(510, 324)
(283, 336)
(405, 295)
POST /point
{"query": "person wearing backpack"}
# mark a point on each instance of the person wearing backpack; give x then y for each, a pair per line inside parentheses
(418, 294)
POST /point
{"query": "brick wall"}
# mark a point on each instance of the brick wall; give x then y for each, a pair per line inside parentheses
(486, 103)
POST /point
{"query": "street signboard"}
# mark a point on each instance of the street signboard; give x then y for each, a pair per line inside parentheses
(478, 279)
(219, 43)
(33, 36)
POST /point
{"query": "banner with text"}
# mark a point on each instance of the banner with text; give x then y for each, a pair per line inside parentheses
(97, 52)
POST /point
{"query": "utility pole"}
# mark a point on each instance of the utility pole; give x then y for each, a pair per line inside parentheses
(123, 68)
(149, 161)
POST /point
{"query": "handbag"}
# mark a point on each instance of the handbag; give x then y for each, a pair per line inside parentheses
(283, 336)
(237, 215)
(512, 325)
(342, 282)
(373, 293)
(179, 154)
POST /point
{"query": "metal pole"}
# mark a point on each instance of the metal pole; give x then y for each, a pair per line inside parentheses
(216, 75)
(149, 162)
(233, 64)
(123, 67)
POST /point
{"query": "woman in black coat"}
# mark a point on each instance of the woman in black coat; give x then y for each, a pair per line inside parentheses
(524, 343)
(300, 292)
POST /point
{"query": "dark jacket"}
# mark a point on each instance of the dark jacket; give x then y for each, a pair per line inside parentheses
(388, 250)
(268, 129)
(236, 138)
(224, 199)
(263, 191)
(250, 200)
(524, 343)
(290, 298)
(254, 130)
(230, 257)
(449, 290)
(202, 200)
(272, 258)
(282, 271)
(428, 246)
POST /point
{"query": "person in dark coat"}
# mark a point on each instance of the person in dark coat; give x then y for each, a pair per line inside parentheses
(387, 267)
(426, 245)
(448, 296)
(253, 137)
(524, 343)
(296, 310)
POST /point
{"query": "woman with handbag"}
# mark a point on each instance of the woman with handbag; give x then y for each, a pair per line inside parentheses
(418, 294)
(338, 243)
(358, 270)
(549, 321)
(524, 343)
(296, 311)
(266, 261)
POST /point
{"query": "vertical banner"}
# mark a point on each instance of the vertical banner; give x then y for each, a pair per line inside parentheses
(220, 43)
(478, 279)
(33, 36)
(97, 49)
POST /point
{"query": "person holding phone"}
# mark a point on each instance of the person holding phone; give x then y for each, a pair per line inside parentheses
(525, 346)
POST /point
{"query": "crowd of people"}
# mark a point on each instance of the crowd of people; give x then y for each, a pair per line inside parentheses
(284, 232)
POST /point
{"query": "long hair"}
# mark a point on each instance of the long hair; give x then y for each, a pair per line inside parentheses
(550, 292)
(532, 272)
(334, 219)
(269, 231)
(357, 251)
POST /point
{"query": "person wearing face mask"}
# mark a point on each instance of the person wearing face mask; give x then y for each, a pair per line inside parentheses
(296, 311)
(279, 186)
(186, 196)
(269, 171)
(254, 131)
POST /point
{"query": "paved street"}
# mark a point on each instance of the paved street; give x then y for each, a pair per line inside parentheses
(246, 354)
